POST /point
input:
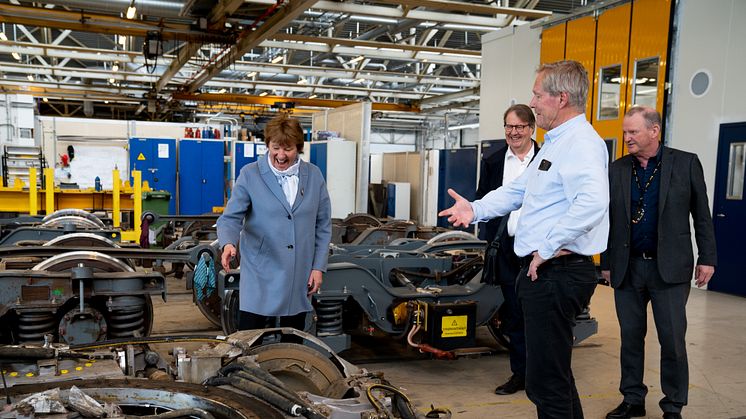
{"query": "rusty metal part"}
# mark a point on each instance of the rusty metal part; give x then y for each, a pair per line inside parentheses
(145, 397)
(299, 367)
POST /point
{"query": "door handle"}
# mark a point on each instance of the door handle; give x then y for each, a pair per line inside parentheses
(720, 215)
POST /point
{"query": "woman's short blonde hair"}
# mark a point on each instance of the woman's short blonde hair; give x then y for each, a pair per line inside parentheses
(285, 131)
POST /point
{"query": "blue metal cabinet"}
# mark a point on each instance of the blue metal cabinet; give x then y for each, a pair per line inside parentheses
(244, 152)
(156, 159)
(201, 185)
(319, 156)
(458, 171)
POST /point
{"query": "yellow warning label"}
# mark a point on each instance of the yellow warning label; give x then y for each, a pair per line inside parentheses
(141, 157)
(453, 326)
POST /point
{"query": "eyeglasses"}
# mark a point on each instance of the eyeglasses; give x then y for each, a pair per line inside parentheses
(518, 128)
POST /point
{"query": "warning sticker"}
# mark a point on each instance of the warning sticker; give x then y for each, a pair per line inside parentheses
(141, 157)
(453, 326)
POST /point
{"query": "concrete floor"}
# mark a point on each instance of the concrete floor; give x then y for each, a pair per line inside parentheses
(717, 363)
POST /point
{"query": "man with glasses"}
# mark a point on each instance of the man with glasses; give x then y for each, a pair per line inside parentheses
(650, 259)
(502, 167)
(564, 199)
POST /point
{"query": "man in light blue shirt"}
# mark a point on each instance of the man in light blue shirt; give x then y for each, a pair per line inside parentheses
(564, 196)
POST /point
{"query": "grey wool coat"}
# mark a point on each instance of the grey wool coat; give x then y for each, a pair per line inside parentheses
(279, 245)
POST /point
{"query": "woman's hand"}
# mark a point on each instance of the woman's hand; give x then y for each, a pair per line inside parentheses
(314, 281)
(229, 252)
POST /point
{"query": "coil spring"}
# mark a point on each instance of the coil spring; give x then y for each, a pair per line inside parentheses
(329, 317)
(127, 317)
(33, 326)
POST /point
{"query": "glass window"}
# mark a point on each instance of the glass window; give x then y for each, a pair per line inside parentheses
(645, 83)
(610, 81)
(611, 148)
(736, 169)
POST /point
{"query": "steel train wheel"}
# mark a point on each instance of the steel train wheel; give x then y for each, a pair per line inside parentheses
(79, 222)
(229, 312)
(74, 212)
(81, 240)
(139, 397)
(494, 326)
(133, 314)
(300, 368)
(452, 236)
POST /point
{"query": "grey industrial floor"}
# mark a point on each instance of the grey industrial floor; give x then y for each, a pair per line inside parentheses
(717, 363)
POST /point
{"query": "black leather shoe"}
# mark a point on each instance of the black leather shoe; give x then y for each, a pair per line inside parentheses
(626, 411)
(671, 415)
(513, 385)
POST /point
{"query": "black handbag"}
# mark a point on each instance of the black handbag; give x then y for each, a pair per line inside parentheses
(491, 253)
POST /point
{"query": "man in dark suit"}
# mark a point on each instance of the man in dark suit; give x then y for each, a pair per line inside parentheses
(654, 189)
(503, 166)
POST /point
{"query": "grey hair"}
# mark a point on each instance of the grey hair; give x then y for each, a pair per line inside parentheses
(566, 76)
(651, 116)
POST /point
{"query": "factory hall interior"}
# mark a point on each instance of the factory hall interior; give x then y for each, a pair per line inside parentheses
(372, 209)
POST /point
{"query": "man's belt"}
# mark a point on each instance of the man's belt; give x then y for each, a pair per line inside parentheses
(564, 260)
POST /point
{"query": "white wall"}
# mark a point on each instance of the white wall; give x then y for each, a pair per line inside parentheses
(510, 57)
(710, 37)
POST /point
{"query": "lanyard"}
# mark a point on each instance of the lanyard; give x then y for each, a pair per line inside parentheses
(640, 210)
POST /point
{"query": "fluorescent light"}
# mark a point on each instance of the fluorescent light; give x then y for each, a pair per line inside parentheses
(112, 80)
(252, 74)
(373, 19)
(44, 99)
(131, 10)
(122, 40)
(466, 126)
(30, 77)
(356, 59)
(313, 96)
(115, 67)
(361, 80)
(3, 37)
(470, 27)
(263, 94)
(16, 55)
(302, 81)
(106, 102)
(221, 91)
(277, 59)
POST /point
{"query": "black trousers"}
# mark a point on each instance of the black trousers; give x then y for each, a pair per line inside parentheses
(511, 313)
(644, 285)
(550, 304)
(249, 321)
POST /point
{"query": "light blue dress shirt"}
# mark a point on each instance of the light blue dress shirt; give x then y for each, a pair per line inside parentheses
(563, 207)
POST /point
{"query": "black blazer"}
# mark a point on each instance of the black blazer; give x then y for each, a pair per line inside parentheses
(490, 178)
(682, 192)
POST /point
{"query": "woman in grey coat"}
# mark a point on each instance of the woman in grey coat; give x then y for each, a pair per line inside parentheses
(280, 212)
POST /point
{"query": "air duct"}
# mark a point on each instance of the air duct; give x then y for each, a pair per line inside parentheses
(159, 8)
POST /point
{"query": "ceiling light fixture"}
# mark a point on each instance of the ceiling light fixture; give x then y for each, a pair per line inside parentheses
(277, 59)
(122, 40)
(115, 67)
(16, 55)
(30, 77)
(131, 10)
(359, 81)
(252, 74)
(3, 37)
(373, 19)
(465, 126)
(302, 81)
(314, 96)
(263, 94)
(221, 91)
(356, 59)
(44, 99)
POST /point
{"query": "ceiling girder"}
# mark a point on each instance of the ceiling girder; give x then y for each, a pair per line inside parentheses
(270, 100)
(391, 53)
(251, 38)
(374, 44)
(459, 6)
(105, 24)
